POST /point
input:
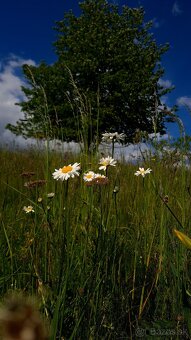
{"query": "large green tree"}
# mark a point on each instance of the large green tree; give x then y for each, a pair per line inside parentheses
(105, 78)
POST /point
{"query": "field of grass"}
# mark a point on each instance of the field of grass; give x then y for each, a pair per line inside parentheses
(101, 259)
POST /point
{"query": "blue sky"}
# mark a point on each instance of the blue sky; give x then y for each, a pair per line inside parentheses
(26, 35)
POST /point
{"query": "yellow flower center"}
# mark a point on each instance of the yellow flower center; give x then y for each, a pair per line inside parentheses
(66, 169)
(89, 176)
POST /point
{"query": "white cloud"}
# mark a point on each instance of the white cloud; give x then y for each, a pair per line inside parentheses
(10, 93)
(184, 101)
(176, 9)
(165, 83)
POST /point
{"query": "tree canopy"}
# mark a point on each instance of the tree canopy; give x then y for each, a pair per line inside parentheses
(106, 78)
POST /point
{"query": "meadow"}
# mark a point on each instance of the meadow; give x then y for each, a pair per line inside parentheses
(100, 257)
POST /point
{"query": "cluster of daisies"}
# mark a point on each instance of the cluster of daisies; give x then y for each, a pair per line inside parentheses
(72, 170)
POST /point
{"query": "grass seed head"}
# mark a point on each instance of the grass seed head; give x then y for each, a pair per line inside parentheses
(34, 184)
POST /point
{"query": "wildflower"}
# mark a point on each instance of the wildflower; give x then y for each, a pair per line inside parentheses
(110, 137)
(105, 162)
(101, 180)
(66, 172)
(142, 172)
(98, 180)
(50, 194)
(99, 175)
(28, 209)
(39, 199)
(88, 176)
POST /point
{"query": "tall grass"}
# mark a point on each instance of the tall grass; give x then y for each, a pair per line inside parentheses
(101, 259)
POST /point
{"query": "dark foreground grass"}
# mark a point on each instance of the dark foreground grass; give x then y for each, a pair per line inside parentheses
(102, 260)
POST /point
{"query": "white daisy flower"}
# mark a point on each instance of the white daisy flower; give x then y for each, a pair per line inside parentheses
(66, 172)
(105, 162)
(109, 137)
(100, 176)
(89, 176)
(28, 209)
(98, 180)
(143, 172)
